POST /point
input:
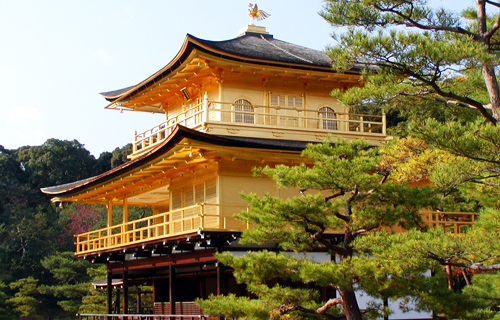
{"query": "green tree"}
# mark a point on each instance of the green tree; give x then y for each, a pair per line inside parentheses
(6, 311)
(413, 54)
(56, 162)
(71, 281)
(119, 155)
(345, 190)
(26, 301)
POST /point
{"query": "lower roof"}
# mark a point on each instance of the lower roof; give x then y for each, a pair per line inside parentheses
(179, 134)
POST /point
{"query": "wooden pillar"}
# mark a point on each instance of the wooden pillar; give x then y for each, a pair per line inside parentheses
(205, 107)
(138, 304)
(110, 214)
(386, 306)
(172, 288)
(221, 279)
(109, 292)
(125, 292)
(125, 238)
(117, 301)
(202, 283)
(125, 210)
(221, 282)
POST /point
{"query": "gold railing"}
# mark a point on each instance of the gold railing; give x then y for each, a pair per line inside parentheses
(290, 117)
(452, 222)
(168, 224)
(261, 116)
(216, 218)
(191, 118)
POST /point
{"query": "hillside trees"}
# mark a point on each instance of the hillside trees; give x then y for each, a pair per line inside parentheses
(29, 223)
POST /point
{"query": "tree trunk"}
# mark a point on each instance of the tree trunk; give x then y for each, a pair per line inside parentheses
(449, 275)
(350, 304)
(492, 86)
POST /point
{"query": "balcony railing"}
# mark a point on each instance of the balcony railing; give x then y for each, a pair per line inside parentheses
(215, 217)
(160, 226)
(142, 317)
(452, 222)
(272, 117)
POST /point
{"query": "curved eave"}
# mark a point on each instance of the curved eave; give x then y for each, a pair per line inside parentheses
(192, 43)
(179, 133)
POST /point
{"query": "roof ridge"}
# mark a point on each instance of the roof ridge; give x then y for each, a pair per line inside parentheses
(283, 50)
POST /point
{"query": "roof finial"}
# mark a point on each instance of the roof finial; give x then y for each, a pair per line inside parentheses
(256, 14)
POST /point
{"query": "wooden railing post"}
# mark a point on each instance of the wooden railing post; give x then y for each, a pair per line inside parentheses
(134, 142)
(384, 123)
(202, 216)
(205, 107)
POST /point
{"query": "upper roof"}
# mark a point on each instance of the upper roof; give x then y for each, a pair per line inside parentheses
(249, 47)
(265, 47)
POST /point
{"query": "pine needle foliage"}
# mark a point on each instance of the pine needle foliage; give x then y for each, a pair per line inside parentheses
(345, 192)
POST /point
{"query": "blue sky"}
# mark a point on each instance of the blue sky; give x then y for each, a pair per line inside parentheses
(57, 55)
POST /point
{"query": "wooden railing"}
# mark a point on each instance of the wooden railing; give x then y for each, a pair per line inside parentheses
(452, 222)
(217, 218)
(160, 226)
(262, 116)
(89, 316)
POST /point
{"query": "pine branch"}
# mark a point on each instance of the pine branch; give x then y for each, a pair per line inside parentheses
(340, 193)
(413, 23)
(364, 230)
(495, 4)
(317, 235)
(329, 304)
(494, 28)
(475, 104)
(287, 307)
(475, 266)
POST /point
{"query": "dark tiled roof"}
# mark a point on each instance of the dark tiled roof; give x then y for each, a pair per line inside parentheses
(265, 47)
(65, 186)
(260, 48)
(115, 93)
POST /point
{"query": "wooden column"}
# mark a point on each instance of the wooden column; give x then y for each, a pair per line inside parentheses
(221, 279)
(172, 288)
(125, 237)
(125, 210)
(386, 305)
(109, 292)
(117, 301)
(202, 283)
(221, 282)
(138, 304)
(125, 292)
(110, 214)
(205, 107)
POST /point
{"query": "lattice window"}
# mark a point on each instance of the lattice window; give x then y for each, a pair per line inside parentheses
(199, 191)
(327, 114)
(176, 199)
(204, 192)
(290, 101)
(245, 114)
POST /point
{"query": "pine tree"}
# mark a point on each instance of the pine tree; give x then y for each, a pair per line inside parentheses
(415, 54)
(346, 191)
